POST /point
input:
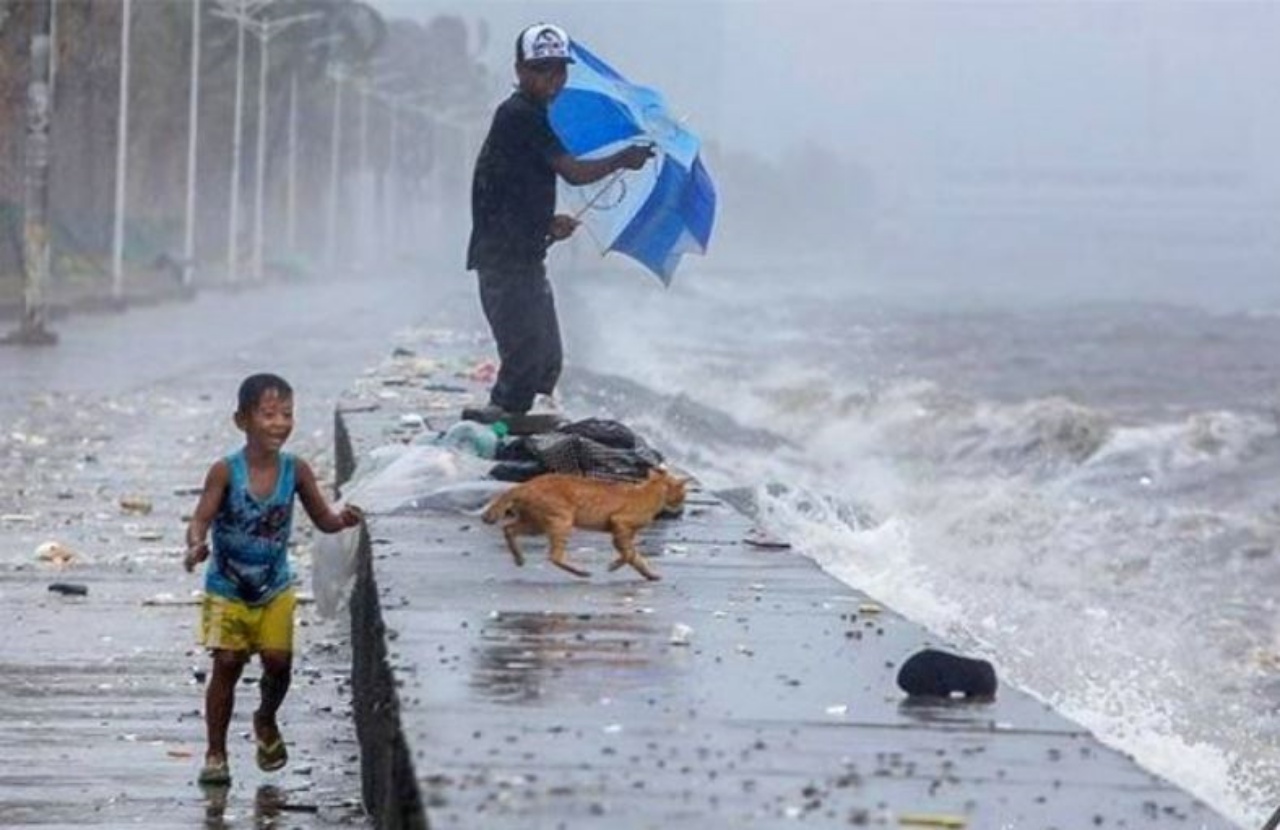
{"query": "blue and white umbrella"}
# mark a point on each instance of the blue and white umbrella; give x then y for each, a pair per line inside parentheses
(654, 215)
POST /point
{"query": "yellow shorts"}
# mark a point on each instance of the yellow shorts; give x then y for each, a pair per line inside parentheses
(233, 625)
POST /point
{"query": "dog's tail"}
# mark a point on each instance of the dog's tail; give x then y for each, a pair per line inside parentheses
(498, 508)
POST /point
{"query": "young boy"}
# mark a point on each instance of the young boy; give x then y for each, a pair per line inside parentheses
(249, 596)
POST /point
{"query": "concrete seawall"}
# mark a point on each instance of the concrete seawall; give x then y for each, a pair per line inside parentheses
(388, 786)
(747, 688)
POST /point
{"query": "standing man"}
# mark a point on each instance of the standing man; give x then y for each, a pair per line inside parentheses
(513, 202)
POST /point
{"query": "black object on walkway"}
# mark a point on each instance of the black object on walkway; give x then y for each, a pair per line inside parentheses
(69, 589)
(934, 673)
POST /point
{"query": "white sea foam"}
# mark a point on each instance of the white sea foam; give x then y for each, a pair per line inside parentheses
(994, 519)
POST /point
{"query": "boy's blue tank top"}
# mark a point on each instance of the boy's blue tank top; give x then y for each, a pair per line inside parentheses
(250, 560)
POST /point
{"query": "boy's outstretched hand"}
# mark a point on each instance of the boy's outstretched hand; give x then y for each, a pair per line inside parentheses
(195, 555)
(351, 516)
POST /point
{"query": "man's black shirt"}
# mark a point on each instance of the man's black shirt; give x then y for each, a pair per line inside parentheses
(513, 194)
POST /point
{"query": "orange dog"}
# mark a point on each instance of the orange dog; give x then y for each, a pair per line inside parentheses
(554, 504)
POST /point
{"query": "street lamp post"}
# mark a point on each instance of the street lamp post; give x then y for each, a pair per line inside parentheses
(260, 154)
(291, 201)
(335, 162)
(363, 177)
(122, 156)
(244, 15)
(233, 219)
(265, 30)
(193, 129)
(392, 192)
(391, 202)
(237, 11)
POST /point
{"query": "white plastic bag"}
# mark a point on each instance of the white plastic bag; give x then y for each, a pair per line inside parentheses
(397, 479)
(333, 570)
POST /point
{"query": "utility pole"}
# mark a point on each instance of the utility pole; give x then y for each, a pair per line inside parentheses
(35, 229)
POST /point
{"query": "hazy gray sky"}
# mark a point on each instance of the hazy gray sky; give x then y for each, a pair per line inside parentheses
(1171, 83)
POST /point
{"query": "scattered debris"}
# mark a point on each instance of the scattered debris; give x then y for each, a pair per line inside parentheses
(413, 420)
(681, 634)
(56, 553)
(484, 372)
(169, 599)
(758, 537)
(144, 534)
(931, 820)
(135, 504)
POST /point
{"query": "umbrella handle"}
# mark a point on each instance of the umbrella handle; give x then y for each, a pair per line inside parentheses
(613, 178)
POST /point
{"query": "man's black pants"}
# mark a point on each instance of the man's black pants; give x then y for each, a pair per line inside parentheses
(522, 315)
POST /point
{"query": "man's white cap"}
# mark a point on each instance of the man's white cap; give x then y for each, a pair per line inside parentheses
(543, 42)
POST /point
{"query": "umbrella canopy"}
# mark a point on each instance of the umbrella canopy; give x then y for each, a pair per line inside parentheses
(654, 215)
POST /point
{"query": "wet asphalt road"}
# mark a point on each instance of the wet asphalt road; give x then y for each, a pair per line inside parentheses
(102, 442)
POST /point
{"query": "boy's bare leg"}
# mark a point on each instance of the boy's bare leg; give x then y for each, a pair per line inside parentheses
(220, 701)
(277, 673)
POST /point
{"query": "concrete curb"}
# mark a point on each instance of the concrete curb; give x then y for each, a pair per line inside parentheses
(388, 784)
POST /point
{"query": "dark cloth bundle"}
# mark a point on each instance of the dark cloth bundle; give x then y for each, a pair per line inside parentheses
(595, 447)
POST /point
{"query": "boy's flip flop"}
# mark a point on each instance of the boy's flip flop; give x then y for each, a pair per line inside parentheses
(214, 774)
(272, 756)
(272, 753)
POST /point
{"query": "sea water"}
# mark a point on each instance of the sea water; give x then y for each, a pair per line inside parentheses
(1080, 489)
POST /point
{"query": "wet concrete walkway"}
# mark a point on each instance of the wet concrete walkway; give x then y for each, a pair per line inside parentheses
(746, 689)
(103, 439)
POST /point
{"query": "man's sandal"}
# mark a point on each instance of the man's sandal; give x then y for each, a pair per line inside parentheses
(214, 774)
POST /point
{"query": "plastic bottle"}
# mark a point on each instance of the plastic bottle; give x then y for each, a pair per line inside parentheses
(479, 439)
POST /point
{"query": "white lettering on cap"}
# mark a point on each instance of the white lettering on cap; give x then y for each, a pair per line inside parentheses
(545, 43)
